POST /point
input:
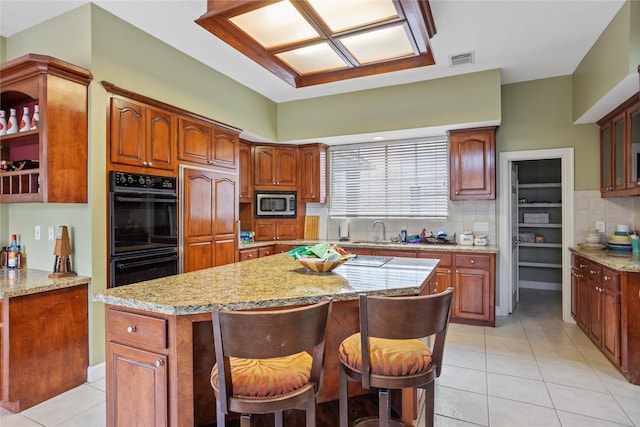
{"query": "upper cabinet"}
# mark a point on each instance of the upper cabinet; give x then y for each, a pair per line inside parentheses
(50, 160)
(620, 150)
(141, 135)
(275, 167)
(313, 173)
(245, 173)
(203, 143)
(472, 164)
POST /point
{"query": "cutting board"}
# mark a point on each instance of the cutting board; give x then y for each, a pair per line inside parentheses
(311, 227)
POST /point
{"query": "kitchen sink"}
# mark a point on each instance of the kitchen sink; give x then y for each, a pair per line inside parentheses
(374, 242)
(369, 261)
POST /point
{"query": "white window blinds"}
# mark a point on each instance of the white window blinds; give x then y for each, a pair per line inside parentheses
(399, 179)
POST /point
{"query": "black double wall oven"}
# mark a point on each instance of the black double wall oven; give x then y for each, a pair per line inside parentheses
(143, 229)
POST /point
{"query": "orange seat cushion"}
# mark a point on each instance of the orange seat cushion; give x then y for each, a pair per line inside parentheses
(388, 357)
(266, 378)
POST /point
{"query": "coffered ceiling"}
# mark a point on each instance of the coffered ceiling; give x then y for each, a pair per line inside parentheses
(525, 39)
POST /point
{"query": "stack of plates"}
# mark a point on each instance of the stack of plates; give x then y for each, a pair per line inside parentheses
(619, 242)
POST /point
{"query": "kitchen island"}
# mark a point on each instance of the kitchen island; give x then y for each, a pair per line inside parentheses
(160, 341)
(44, 341)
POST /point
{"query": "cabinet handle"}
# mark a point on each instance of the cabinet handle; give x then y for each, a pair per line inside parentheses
(131, 329)
(583, 265)
(592, 271)
(159, 363)
(606, 278)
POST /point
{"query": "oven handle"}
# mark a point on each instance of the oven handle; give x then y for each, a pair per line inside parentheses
(141, 199)
(123, 266)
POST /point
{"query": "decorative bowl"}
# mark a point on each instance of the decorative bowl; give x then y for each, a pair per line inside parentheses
(591, 246)
(317, 265)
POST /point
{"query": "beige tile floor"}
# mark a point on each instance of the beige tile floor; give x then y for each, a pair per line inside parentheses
(532, 369)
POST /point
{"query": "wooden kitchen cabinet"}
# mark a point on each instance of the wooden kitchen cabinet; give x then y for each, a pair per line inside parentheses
(474, 288)
(313, 173)
(275, 167)
(204, 143)
(442, 279)
(620, 150)
(472, 164)
(275, 229)
(245, 175)
(262, 251)
(59, 144)
(141, 136)
(210, 210)
(138, 357)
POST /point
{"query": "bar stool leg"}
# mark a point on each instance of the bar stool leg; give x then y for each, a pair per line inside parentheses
(279, 417)
(343, 399)
(221, 420)
(311, 414)
(429, 407)
(245, 420)
(383, 407)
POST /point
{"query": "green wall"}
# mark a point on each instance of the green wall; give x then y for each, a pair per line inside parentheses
(614, 56)
(470, 98)
(537, 115)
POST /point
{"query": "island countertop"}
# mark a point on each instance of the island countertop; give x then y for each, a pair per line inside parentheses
(16, 283)
(272, 281)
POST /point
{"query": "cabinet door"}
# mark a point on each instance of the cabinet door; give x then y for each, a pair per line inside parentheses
(137, 387)
(160, 139)
(194, 141)
(619, 155)
(313, 174)
(127, 132)
(245, 175)
(286, 167)
(441, 281)
(575, 293)
(583, 304)
(264, 161)
(471, 298)
(225, 146)
(606, 159)
(286, 230)
(595, 312)
(611, 325)
(265, 229)
(472, 164)
(209, 223)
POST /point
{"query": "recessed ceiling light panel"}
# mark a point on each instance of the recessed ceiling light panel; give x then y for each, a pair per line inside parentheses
(313, 59)
(379, 45)
(275, 25)
(341, 15)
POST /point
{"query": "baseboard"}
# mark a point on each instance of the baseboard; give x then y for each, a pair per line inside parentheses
(96, 372)
(547, 286)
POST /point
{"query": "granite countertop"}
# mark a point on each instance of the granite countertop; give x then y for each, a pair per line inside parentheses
(273, 281)
(16, 283)
(426, 247)
(616, 260)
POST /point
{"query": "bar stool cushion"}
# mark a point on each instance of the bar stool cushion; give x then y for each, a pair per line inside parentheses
(389, 357)
(267, 378)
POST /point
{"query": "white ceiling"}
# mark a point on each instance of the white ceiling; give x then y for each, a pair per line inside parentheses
(525, 39)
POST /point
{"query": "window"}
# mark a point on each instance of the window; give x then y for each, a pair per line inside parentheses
(390, 180)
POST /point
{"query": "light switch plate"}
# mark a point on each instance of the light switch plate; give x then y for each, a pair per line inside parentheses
(51, 233)
(600, 226)
(37, 233)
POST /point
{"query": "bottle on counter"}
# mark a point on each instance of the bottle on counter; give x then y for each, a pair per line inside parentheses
(35, 118)
(12, 255)
(22, 257)
(403, 234)
(3, 257)
(25, 120)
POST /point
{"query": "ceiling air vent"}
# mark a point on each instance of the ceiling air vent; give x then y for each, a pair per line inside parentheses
(461, 59)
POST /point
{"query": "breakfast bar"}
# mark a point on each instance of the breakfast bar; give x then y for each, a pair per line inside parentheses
(159, 339)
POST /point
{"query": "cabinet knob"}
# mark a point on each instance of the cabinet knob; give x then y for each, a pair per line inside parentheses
(159, 363)
(250, 255)
(275, 183)
(144, 163)
(457, 193)
(473, 261)
(210, 162)
(149, 164)
(131, 329)
(606, 278)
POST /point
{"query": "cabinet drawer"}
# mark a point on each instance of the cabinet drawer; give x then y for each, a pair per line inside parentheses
(248, 254)
(611, 279)
(473, 261)
(136, 329)
(265, 251)
(594, 272)
(445, 259)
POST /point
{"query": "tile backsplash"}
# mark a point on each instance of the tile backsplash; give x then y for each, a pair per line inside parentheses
(590, 207)
(463, 215)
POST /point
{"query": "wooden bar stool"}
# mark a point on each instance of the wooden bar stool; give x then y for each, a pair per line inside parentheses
(388, 353)
(263, 364)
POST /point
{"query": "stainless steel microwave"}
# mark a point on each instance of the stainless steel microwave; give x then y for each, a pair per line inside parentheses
(275, 204)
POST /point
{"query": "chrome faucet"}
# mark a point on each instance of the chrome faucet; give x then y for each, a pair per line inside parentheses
(384, 233)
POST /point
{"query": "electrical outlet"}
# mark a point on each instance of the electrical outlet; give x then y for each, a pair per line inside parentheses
(37, 233)
(600, 226)
(51, 233)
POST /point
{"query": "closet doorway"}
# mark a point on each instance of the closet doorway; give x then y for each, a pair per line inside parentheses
(536, 225)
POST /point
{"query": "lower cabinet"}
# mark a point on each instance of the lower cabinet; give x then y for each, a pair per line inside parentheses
(137, 369)
(596, 305)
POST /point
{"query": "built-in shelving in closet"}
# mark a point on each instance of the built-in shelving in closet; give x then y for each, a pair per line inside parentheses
(540, 224)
